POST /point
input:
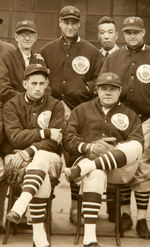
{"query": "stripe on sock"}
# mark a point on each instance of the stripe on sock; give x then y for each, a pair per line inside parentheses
(142, 199)
(38, 210)
(33, 179)
(125, 194)
(111, 160)
(91, 206)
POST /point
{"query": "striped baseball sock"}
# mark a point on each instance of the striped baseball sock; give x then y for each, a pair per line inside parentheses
(37, 208)
(125, 194)
(108, 161)
(91, 206)
(33, 179)
(142, 200)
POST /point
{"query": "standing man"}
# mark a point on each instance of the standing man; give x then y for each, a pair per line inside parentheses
(33, 122)
(74, 64)
(132, 64)
(13, 63)
(107, 35)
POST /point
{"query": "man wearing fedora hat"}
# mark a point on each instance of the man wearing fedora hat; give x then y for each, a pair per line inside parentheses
(132, 64)
(99, 136)
(33, 121)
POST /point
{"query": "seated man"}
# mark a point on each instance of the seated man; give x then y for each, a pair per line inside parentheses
(103, 137)
(33, 122)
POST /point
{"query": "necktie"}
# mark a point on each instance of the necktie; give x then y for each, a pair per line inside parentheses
(106, 54)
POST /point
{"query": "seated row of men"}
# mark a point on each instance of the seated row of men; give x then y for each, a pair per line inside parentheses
(103, 137)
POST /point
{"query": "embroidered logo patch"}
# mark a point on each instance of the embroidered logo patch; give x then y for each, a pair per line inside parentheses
(120, 121)
(81, 65)
(143, 73)
(44, 119)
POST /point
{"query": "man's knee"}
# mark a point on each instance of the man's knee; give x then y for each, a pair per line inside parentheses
(95, 181)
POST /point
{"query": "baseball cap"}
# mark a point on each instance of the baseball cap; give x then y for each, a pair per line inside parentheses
(26, 25)
(1, 20)
(109, 79)
(133, 23)
(32, 68)
(70, 12)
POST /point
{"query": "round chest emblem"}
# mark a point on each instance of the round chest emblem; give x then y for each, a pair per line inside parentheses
(81, 65)
(143, 73)
(120, 121)
(43, 119)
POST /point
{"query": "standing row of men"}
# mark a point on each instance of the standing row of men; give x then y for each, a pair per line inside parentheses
(74, 67)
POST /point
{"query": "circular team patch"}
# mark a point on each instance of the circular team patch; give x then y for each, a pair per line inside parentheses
(120, 121)
(81, 65)
(143, 73)
(43, 119)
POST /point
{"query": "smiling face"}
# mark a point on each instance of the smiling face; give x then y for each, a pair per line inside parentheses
(35, 86)
(107, 35)
(25, 39)
(134, 38)
(69, 27)
(108, 94)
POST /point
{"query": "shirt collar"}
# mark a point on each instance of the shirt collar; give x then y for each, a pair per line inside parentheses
(29, 101)
(103, 51)
(137, 49)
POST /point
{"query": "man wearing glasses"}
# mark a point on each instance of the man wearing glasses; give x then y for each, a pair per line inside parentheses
(12, 64)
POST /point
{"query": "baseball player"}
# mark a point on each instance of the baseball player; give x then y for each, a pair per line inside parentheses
(74, 64)
(99, 136)
(33, 122)
(132, 63)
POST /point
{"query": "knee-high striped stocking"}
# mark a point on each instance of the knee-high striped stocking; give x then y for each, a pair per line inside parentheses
(38, 213)
(142, 200)
(33, 179)
(91, 206)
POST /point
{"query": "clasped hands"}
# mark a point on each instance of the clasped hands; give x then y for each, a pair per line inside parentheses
(101, 146)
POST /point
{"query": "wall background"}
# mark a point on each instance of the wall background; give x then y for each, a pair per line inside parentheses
(46, 13)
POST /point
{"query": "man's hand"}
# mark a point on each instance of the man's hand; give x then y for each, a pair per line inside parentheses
(56, 135)
(101, 146)
(17, 160)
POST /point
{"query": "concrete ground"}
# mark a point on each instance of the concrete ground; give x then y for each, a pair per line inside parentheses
(63, 230)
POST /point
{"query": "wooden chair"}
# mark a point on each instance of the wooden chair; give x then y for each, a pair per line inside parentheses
(11, 225)
(117, 199)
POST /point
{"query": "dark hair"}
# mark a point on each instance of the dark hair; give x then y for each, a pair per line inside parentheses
(106, 19)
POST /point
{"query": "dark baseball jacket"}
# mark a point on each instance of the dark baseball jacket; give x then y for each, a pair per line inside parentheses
(73, 69)
(24, 119)
(12, 68)
(133, 68)
(88, 123)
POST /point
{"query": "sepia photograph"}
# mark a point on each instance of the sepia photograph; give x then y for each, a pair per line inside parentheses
(75, 123)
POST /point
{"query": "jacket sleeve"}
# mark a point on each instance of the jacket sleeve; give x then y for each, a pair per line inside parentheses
(14, 130)
(136, 132)
(6, 90)
(57, 121)
(71, 136)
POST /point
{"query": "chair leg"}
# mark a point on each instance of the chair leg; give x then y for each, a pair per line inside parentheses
(8, 223)
(48, 218)
(78, 229)
(118, 215)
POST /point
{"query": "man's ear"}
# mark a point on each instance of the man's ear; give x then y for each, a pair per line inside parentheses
(16, 36)
(24, 84)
